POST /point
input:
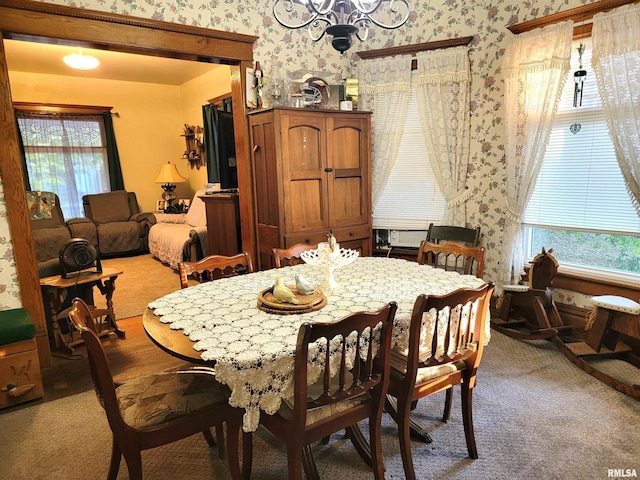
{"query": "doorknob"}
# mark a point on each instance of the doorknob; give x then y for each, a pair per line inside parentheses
(328, 169)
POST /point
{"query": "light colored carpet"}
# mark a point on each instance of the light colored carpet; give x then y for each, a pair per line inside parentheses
(537, 416)
(143, 280)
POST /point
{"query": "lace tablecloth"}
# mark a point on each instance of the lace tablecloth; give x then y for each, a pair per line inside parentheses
(253, 350)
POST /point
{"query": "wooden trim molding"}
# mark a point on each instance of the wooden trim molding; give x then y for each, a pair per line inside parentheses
(32, 6)
(578, 14)
(107, 31)
(45, 108)
(218, 100)
(48, 23)
(591, 286)
(586, 285)
(413, 49)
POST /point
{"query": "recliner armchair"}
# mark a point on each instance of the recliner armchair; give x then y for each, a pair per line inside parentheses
(121, 228)
(50, 230)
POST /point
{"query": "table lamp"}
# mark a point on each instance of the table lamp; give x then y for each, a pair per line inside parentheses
(168, 177)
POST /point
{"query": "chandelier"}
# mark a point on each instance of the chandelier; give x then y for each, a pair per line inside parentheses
(341, 19)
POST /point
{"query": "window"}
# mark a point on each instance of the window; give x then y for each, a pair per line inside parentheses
(580, 206)
(411, 199)
(65, 154)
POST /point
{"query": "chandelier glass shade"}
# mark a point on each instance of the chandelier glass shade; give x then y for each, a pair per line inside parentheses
(341, 19)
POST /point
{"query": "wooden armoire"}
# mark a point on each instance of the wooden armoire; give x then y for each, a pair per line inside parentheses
(312, 175)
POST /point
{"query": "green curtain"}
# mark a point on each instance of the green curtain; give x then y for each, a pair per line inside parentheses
(23, 158)
(211, 141)
(113, 159)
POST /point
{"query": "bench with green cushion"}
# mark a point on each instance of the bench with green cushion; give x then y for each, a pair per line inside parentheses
(16, 325)
(20, 376)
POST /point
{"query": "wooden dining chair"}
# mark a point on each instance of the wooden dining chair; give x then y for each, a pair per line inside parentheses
(452, 256)
(158, 409)
(214, 267)
(283, 257)
(439, 361)
(346, 392)
(450, 233)
(211, 268)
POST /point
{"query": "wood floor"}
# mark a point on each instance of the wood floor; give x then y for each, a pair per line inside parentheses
(130, 357)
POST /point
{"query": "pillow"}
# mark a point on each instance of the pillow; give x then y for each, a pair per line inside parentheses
(41, 205)
(197, 214)
(109, 207)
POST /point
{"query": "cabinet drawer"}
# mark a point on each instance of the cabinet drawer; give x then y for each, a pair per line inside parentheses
(21, 369)
(343, 235)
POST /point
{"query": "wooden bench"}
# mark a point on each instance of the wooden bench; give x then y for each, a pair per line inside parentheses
(20, 376)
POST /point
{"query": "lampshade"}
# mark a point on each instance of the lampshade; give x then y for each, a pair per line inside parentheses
(80, 61)
(169, 174)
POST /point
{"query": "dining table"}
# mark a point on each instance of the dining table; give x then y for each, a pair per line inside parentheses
(251, 349)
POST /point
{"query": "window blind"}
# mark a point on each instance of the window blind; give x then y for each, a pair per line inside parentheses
(580, 186)
(411, 199)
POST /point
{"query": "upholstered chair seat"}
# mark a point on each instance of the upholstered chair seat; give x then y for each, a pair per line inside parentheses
(316, 415)
(399, 368)
(152, 400)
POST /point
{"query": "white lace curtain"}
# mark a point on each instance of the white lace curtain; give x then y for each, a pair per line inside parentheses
(443, 103)
(384, 85)
(535, 67)
(67, 155)
(616, 63)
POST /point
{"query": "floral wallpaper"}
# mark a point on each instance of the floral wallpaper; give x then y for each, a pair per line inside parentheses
(9, 291)
(430, 20)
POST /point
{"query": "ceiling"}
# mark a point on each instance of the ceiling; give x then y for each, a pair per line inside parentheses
(46, 58)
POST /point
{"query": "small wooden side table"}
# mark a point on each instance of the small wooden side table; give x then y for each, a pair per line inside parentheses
(54, 289)
(223, 223)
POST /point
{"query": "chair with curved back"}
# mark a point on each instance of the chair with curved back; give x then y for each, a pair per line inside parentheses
(439, 362)
(450, 233)
(283, 257)
(346, 392)
(157, 409)
(452, 256)
(214, 267)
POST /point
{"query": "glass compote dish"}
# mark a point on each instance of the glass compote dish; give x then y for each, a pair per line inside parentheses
(330, 260)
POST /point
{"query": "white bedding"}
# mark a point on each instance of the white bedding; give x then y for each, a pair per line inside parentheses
(171, 233)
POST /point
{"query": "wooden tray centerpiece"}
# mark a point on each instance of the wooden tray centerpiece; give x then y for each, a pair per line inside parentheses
(312, 302)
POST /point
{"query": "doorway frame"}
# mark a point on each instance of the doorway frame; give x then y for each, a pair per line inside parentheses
(48, 23)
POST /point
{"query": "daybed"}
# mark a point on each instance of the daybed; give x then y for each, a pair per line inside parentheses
(180, 237)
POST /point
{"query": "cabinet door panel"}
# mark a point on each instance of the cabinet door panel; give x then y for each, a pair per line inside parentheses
(348, 184)
(305, 205)
(304, 161)
(265, 173)
(345, 148)
(347, 203)
(303, 144)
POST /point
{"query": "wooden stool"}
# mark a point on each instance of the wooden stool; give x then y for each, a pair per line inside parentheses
(20, 377)
(599, 323)
(612, 320)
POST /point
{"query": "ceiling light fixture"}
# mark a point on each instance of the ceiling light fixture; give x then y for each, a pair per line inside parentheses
(341, 19)
(80, 61)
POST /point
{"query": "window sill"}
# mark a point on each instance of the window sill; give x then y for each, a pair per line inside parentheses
(596, 283)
